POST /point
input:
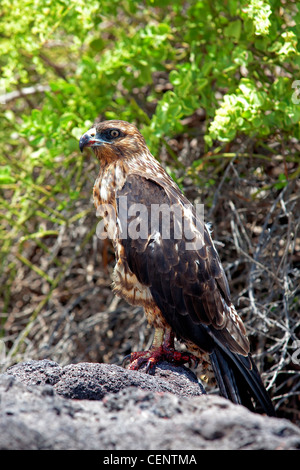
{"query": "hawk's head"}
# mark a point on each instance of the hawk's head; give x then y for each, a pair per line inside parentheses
(112, 140)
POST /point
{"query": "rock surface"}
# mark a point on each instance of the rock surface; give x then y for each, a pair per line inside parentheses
(101, 406)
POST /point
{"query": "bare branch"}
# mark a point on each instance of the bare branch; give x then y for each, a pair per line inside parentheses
(24, 92)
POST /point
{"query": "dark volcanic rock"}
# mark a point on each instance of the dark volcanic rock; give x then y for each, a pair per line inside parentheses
(120, 409)
(93, 381)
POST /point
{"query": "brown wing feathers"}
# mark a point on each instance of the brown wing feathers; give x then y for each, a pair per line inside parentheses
(183, 282)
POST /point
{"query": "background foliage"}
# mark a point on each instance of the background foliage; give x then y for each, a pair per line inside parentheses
(213, 88)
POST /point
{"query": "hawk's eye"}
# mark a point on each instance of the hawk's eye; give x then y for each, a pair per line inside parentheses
(114, 133)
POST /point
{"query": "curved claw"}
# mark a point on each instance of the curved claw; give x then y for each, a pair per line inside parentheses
(150, 366)
(138, 359)
(193, 359)
(126, 359)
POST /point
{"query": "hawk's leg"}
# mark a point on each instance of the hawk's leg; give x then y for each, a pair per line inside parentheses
(162, 349)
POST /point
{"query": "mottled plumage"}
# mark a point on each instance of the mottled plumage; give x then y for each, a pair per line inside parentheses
(183, 291)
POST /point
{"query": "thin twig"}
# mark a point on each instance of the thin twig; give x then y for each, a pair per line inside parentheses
(23, 92)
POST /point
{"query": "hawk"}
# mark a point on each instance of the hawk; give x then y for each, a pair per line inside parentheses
(175, 273)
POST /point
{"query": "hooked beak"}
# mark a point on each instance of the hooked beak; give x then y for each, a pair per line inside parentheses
(90, 139)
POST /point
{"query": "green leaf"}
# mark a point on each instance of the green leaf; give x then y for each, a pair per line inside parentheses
(233, 30)
(282, 181)
(5, 175)
(97, 44)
